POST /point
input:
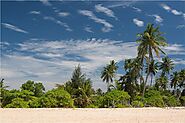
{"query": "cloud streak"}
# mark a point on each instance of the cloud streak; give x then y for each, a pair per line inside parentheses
(107, 26)
(106, 11)
(67, 28)
(14, 28)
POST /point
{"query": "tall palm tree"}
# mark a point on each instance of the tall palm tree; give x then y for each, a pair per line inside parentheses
(150, 41)
(108, 72)
(166, 66)
(153, 67)
(175, 78)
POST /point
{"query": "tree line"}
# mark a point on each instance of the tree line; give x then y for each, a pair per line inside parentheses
(148, 80)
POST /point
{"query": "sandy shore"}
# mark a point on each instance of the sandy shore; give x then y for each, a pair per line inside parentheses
(124, 115)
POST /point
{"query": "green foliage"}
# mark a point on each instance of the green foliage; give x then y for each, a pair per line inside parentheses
(137, 103)
(80, 88)
(115, 97)
(18, 103)
(171, 101)
(37, 88)
(182, 99)
(56, 98)
(154, 98)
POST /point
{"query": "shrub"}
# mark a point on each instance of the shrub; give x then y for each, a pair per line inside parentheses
(137, 103)
(116, 97)
(56, 98)
(171, 101)
(17, 103)
(182, 99)
(154, 98)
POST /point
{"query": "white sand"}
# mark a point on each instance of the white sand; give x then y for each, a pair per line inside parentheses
(124, 115)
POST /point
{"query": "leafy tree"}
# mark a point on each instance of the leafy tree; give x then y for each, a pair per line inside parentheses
(80, 88)
(37, 88)
(3, 92)
(55, 98)
(150, 41)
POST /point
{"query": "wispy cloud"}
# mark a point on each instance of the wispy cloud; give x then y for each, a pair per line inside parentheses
(63, 14)
(60, 57)
(158, 19)
(121, 4)
(14, 28)
(88, 29)
(173, 11)
(67, 28)
(35, 12)
(136, 9)
(138, 22)
(107, 11)
(107, 26)
(180, 26)
(46, 2)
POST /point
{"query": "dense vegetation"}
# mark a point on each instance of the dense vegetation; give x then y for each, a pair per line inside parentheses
(147, 81)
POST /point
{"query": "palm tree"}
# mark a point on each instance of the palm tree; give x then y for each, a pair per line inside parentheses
(108, 73)
(161, 82)
(166, 66)
(182, 78)
(153, 67)
(175, 79)
(150, 41)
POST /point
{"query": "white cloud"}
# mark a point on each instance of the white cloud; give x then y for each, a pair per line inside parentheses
(175, 12)
(158, 19)
(46, 2)
(107, 26)
(35, 12)
(63, 14)
(137, 9)
(120, 4)
(88, 29)
(174, 49)
(139, 23)
(67, 28)
(180, 26)
(107, 11)
(166, 7)
(54, 61)
(14, 28)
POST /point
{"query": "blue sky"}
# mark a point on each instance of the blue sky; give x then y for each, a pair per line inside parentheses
(45, 40)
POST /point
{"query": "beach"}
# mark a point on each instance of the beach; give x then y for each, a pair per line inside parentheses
(89, 115)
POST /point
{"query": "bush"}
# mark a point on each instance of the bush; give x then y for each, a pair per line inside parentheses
(17, 103)
(171, 101)
(137, 103)
(56, 98)
(182, 99)
(154, 98)
(116, 98)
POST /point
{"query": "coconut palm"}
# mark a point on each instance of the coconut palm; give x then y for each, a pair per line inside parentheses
(153, 67)
(166, 66)
(108, 72)
(175, 79)
(150, 41)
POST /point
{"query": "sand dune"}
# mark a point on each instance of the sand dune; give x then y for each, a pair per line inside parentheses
(124, 115)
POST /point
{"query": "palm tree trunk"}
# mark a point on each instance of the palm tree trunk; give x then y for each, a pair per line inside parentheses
(151, 80)
(144, 88)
